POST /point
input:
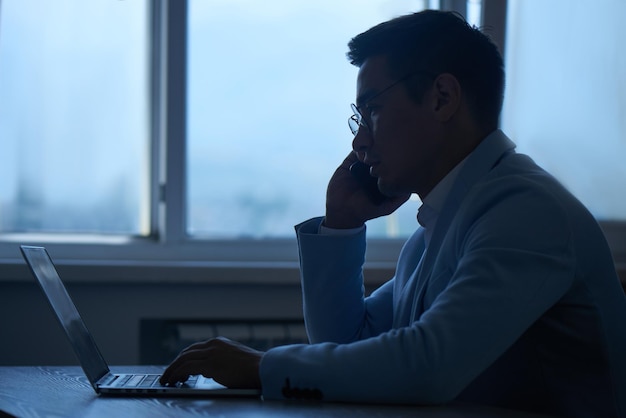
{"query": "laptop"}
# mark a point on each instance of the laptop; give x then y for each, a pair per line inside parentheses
(93, 364)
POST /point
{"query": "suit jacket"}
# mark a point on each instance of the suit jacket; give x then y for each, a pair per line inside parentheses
(515, 303)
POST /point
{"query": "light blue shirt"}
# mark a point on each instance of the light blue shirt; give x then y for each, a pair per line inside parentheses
(432, 204)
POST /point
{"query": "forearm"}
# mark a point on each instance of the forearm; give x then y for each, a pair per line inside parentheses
(332, 283)
(345, 372)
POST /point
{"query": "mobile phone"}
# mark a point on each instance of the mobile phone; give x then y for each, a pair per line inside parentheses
(361, 172)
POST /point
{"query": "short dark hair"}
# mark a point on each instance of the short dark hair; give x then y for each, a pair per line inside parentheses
(439, 42)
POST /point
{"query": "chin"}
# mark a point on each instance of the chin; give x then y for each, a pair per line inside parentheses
(387, 189)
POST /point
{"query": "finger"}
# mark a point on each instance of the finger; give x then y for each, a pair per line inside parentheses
(180, 361)
(181, 372)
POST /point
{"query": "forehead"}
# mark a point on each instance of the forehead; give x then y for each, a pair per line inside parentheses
(374, 75)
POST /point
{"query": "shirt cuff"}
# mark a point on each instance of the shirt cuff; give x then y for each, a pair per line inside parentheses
(324, 230)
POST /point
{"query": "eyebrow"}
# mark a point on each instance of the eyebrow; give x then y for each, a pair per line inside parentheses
(365, 97)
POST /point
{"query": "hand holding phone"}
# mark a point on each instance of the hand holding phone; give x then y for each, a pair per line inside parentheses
(361, 172)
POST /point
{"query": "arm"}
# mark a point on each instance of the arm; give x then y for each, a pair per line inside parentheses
(331, 266)
(335, 308)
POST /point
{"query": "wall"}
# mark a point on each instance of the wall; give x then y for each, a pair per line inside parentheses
(30, 334)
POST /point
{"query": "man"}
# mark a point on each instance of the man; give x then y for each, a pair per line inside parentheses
(506, 295)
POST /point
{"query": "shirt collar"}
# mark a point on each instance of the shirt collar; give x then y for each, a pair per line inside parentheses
(433, 202)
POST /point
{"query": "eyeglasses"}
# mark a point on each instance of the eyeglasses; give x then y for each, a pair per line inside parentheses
(356, 120)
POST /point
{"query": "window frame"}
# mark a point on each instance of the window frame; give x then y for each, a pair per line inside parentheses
(168, 253)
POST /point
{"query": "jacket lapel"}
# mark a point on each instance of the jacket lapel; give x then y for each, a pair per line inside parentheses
(478, 164)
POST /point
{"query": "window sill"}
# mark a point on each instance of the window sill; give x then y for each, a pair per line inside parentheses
(181, 272)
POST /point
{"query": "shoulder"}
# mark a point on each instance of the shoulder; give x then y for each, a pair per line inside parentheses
(518, 201)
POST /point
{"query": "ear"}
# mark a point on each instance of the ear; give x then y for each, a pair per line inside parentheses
(447, 96)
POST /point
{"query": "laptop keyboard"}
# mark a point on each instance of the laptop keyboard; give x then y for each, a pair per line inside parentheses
(149, 381)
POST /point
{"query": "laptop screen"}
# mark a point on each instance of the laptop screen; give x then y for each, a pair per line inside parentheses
(81, 340)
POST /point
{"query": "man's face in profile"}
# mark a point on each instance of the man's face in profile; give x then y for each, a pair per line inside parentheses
(401, 145)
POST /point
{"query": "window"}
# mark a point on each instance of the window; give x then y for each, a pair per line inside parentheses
(565, 103)
(74, 117)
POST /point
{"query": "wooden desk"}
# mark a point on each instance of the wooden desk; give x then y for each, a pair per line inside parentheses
(63, 391)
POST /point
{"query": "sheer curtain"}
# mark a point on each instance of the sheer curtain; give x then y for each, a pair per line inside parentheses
(565, 103)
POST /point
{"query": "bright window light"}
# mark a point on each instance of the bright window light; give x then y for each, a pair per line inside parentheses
(566, 97)
(74, 116)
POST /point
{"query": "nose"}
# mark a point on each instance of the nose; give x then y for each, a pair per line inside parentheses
(361, 142)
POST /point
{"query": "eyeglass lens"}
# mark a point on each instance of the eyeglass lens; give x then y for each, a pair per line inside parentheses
(356, 120)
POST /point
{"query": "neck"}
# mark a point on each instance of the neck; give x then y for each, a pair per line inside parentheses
(456, 149)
